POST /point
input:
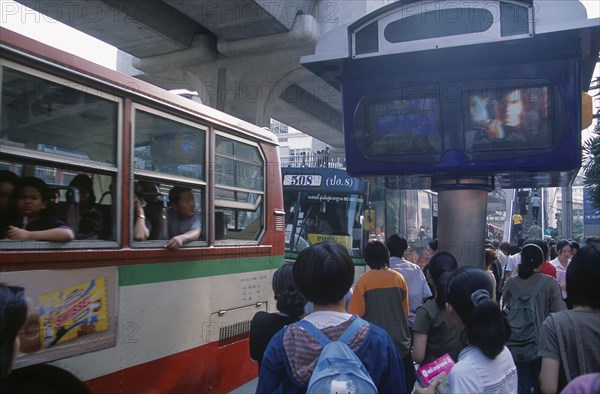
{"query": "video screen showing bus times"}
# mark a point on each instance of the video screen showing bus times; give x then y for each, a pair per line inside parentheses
(403, 125)
(509, 118)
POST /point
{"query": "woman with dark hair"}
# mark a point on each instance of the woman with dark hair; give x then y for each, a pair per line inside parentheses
(431, 249)
(434, 334)
(485, 365)
(530, 282)
(490, 268)
(323, 273)
(289, 303)
(570, 339)
(574, 248)
(13, 312)
(561, 262)
(15, 317)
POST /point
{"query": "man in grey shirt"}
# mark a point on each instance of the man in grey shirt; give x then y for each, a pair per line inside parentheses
(184, 221)
(418, 289)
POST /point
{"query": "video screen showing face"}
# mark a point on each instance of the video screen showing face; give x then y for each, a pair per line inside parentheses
(403, 126)
(509, 118)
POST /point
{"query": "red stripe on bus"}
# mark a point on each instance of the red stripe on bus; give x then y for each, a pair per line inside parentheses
(200, 370)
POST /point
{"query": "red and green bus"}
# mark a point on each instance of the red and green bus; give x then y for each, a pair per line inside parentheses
(123, 314)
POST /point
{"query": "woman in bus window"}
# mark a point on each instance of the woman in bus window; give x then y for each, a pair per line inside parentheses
(32, 199)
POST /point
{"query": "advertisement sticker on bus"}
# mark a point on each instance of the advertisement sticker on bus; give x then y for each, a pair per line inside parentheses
(70, 312)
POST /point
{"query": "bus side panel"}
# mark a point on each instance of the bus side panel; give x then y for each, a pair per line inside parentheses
(200, 370)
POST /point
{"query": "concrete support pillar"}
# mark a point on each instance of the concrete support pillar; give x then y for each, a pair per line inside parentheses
(462, 218)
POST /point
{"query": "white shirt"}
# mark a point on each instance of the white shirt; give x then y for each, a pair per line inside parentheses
(323, 319)
(512, 262)
(475, 373)
(536, 201)
(418, 289)
(561, 274)
(503, 259)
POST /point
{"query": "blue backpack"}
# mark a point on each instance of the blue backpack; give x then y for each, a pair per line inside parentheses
(338, 369)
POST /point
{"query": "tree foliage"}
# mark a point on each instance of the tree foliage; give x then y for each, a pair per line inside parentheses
(591, 159)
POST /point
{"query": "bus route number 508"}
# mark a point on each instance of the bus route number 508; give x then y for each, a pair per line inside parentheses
(302, 180)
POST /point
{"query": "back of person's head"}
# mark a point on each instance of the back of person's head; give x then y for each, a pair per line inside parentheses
(592, 239)
(532, 257)
(397, 245)
(175, 194)
(37, 184)
(505, 247)
(324, 273)
(583, 276)
(514, 249)
(539, 242)
(433, 244)
(377, 255)
(469, 293)
(9, 177)
(439, 267)
(521, 242)
(289, 300)
(575, 246)
(496, 244)
(490, 257)
(85, 184)
(13, 312)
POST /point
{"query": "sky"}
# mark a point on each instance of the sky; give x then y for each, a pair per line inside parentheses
(25, 21)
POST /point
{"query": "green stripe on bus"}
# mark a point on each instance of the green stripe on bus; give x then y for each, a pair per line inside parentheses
(355, 260)
(130, 275)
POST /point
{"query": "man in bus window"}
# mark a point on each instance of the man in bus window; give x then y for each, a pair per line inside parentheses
(182, 217)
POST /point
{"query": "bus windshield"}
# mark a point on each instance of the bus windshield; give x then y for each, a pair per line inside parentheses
(323, 204)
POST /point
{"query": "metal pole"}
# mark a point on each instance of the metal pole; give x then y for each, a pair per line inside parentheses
(462, 217)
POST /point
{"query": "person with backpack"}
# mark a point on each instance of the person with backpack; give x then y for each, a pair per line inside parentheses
(297, 359)
(529, 298)
(570, 339)
(381, 297)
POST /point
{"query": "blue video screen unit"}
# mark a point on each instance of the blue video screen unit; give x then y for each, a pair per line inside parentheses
(396, 125)
(509, 117)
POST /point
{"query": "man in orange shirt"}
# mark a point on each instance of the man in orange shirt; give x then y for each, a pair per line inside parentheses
(381, 297)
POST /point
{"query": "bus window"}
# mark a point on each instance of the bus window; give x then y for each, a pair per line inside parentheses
(82, 200)
(239, 191)
(167, 150)
(47, 115)
(168, 146)
(60, 131)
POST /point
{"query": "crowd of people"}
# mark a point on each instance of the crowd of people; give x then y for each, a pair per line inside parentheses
(31, 210)
(517, 326)
(527, 321)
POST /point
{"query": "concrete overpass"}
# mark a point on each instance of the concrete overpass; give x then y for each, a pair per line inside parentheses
(241, 56)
